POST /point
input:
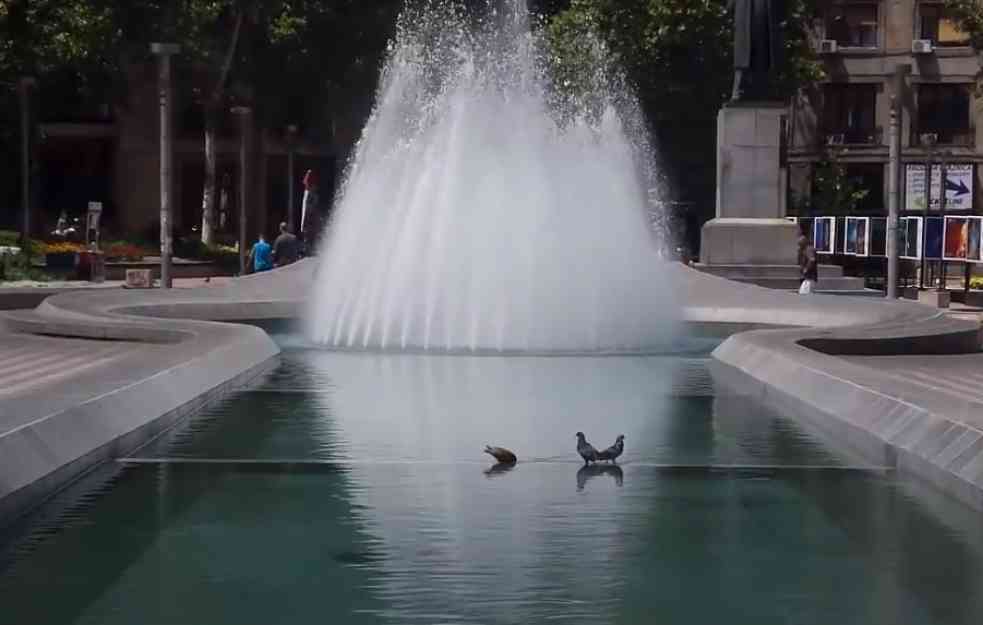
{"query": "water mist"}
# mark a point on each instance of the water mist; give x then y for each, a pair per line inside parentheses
(478, 216)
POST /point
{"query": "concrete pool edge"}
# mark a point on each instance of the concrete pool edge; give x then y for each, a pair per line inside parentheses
(200, 362)
(210, 358)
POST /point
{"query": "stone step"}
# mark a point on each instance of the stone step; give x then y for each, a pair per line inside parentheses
(824, 284)
(30, 322)
(734, 272)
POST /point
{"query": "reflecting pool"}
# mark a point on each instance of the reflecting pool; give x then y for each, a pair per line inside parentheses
(351, 488)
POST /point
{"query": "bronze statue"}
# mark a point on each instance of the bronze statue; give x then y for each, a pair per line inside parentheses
(758, 46)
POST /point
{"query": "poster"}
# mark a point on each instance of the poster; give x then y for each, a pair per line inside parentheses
(824, 235)
(956, 238)
(878, 236)
(933, 237)
(910, 235)
(856, 236)
(958, 186)
(975, 234)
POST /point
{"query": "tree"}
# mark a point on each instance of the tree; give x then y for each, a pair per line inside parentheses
(834, 191)
(678, 56)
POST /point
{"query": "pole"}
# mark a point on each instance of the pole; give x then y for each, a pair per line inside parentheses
(942, 284)
(243, 113)
(24, 90)
(894, 179)
(164, 51)
(291, 138)
(928, 200)
(892, 201)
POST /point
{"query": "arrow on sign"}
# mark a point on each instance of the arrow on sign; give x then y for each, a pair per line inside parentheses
(960, 189)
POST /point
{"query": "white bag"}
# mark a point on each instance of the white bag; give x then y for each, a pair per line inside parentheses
(806, 287)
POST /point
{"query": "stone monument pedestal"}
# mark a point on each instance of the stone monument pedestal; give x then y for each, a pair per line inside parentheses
(750, 226)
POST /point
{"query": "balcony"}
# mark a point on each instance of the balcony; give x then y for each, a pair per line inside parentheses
(952, 137)
(854, 136)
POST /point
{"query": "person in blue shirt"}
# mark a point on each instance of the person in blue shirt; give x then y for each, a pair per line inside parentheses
(262, 255)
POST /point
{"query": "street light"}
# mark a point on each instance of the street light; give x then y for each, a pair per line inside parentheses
(164, 52)
(243, 113)
(291, 142)
(928, 140)
(24, 86)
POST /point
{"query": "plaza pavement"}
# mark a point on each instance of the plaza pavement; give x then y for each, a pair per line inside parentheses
(90, 375)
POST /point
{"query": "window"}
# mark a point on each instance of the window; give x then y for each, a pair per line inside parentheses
(934, 24)
(853, 24)
(943, 110)
(849, 113)
(870, 177)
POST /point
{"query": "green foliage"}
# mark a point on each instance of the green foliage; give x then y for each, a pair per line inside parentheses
(14, 267)
(11, 238)
(969, 15)
(835, 192)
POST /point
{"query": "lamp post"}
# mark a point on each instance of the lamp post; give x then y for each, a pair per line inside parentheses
(928, 140)
(24, 86)
(243, 112)
(291, 143)
(942, 164)
(164, 52)
(894, 179)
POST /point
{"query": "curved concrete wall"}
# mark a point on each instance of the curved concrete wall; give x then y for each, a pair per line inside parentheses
(197, 362)
(201, 359)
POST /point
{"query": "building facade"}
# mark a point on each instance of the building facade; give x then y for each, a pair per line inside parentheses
(112, 156)
(846, 118)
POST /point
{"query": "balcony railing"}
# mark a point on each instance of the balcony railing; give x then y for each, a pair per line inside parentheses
(964, 137)
(854, 136)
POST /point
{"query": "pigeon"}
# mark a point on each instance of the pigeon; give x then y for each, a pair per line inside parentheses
(504, 456)
(585, 449)
(611, 453)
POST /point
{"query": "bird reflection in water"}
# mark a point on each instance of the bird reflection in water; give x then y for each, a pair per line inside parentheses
(499, 469)
(587, 473)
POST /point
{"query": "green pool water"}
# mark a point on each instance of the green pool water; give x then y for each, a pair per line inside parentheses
(351, 488)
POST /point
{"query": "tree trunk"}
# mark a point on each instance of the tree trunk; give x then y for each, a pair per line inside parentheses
(211, 179)
(212, 117)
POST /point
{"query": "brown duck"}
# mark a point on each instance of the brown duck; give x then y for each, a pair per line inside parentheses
(504, 456)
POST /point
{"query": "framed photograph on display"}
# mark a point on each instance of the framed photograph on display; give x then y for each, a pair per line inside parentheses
(910, 238)
(974, 239)
(824, 235)
(857, 236)
(956, 238)
(878, 236)
(933, 238)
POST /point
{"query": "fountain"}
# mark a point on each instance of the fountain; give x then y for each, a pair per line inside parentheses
(477, 216)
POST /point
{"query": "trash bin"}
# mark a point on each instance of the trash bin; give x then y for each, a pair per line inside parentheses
(91, 266)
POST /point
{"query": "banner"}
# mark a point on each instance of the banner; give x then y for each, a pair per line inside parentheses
(958, 186)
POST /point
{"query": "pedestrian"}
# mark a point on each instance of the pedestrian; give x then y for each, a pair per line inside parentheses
(809, 270)
(261, 256)
(286, 247)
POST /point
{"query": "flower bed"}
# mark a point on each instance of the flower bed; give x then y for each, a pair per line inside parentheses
(121, 250)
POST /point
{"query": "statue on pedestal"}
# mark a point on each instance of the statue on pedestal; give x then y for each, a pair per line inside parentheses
(758, 46)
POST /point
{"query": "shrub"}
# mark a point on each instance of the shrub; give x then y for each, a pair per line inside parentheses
(11, 238)
(18, 267)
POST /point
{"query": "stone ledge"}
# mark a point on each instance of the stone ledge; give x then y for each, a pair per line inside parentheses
(861, 408)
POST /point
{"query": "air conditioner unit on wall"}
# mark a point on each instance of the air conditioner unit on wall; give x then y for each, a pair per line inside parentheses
(921, 46)
(827, 46)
